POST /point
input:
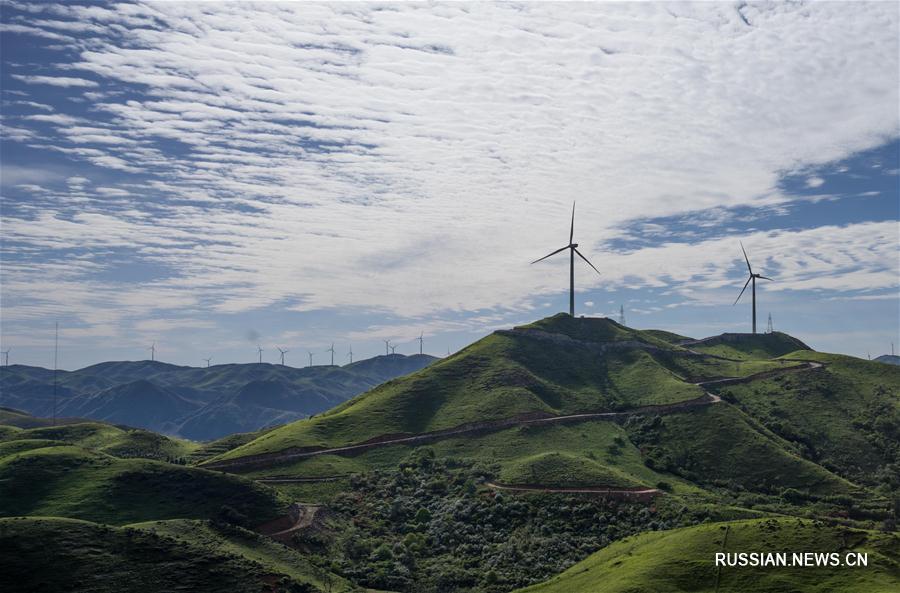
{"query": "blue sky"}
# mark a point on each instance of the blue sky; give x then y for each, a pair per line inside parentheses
(209, 176)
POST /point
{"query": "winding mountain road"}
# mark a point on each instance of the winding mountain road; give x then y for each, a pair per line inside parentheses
(268, 459)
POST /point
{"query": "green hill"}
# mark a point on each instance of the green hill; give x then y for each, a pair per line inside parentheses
(556, 366)
(844, 416)
(746, 346)
(682, 560)
(68, 481)
(116, 441)
(66, 555)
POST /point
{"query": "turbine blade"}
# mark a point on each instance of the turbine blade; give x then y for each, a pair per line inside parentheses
(588, 262)
(572, 228)
(746, 259)
(742, 291)
(764, 278)
(549, 254)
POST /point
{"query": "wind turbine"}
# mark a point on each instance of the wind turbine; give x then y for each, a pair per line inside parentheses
(153, 351)
(310, 357)
(350, 354)
(393, 347)
(387, 344)
(332, 353)
(421, 340)
(260, 351)
(5, 354)
(282, 352)
(207, 361)
(752, 278)
(573, 249)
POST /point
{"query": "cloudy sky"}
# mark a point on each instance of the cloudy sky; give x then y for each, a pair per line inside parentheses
(211, 176)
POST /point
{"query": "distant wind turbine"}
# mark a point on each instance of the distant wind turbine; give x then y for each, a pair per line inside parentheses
(573, 249)
(421, 340)
(282, 352)
(207, 361)
(310, 357)
(332, 353)
(387, 345)
(6, 356)
(152, 351)
(393, 347)
(350, 354)
(260, 351)
(752, 278)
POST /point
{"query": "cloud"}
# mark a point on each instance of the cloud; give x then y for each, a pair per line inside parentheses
(412, 161)
(63, 81)
(814, 181)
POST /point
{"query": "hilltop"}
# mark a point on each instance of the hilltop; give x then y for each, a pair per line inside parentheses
(197, 403)
(571, 402)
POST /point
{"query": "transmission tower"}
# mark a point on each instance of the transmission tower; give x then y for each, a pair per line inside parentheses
(769, 328)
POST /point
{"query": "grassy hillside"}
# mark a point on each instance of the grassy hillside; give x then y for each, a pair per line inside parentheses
(68, 481)
(719, 445)
(746, 346)
(845, 416)
(683, 560)
(116, 441)
(152, 558)
(556, 366)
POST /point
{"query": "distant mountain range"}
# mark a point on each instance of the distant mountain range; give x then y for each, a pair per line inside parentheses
(197, 403)
(888, 359)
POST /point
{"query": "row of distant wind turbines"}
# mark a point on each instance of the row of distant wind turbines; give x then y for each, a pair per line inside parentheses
(282, 351)
(573, 250)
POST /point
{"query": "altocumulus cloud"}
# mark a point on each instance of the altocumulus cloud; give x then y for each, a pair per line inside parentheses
(410, 158)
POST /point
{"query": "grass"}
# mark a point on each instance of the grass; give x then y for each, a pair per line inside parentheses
(114, 440)
(592, 453)
(845, 416)
(149, 558)
(718, 444)
(750, 346)
(683, 560)
(499, 376)
(69, 481)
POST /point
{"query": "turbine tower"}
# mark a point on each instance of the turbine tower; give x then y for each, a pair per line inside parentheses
(5, 354)
(332, 353)
(387, 345)
(752, 278)
(207, 361)
(310, 357)
(421, 340)
(350, 354)
(393, 347)
(153, 351)
(260, 351)
(282, 352)
(621, 314)
(573, 249)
